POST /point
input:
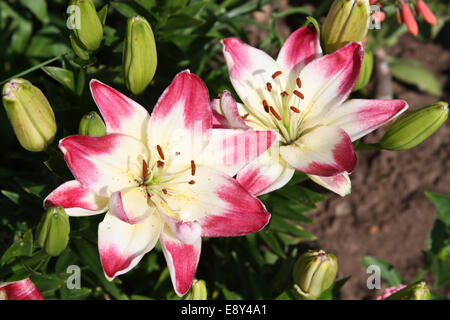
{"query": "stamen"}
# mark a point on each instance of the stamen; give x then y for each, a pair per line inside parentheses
(161, 154)
(299, 83)
(164, 191)
(275, 113)
(177, 153)
(299, 94)
(269, 86)
(284, 94)
(276, 74)
(266, 106)
(191, 182)
(245, 116)
(192, 167)
(144, 169)
(294, 109)
(160, 164)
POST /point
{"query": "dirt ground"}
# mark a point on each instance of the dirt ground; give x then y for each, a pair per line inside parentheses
(387, 214)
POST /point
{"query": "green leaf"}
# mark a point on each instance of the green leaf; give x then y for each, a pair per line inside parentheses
(388, 272)
(271, 241)
(102, 13)
(74, 294)
(14, 197)
(333, 291)
(281, 225)
(182, 21)
(22, 247)
(411, 72)
(38, 8)
(286, 295)
(124, 9)
(442, 205)
(63, 76)
(247, 8)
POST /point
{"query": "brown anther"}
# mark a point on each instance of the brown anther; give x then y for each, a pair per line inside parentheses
(284, 94)
(164, 191)
(192, 167)
(144, 168)
(299, 94)
(160, 152)
(275, 113)
(160, 164)
(269, 86)
(265, 103)
(276, 74)
(245, 116)
(294, 109)
(191, 182)
(299, 82)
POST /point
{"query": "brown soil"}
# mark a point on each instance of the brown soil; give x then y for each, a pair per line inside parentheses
(387, 214)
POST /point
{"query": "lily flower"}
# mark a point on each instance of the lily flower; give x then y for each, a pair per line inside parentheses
(165, 177)
(20, 290)
(302, 96)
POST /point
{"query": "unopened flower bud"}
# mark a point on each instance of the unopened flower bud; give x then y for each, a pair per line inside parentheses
(89, 33)
(415, 291)
(414, 127)
(53, 231)
(366, 71)
(314, 272)
(408, 19)
(347, 21)
(426, 12)
(92, 125)
(30, 114)
(198, 291)
(139, 55)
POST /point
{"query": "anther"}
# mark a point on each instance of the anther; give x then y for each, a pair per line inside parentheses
(245, 116)
(192, 167)
(269, 86)
(191, 182)
(164, 191)
(284, 94)
(144, 168)
(160, 164)
(299, 83)
(276, 74)
(299, 94)
(160, 152)
(294, 109)
(275, 113)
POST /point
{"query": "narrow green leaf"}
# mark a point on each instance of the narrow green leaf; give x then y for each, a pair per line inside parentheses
(388, 272)
(442, 205)
(63, 76)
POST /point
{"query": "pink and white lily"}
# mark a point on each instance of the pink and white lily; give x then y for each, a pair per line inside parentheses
(20, 290)
(165, 177)
(302, 96)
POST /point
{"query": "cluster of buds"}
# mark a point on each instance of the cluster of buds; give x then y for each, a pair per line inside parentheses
(406, 13)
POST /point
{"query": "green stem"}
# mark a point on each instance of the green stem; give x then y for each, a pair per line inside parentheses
(422, 273)
(368, 146)
(33, 68)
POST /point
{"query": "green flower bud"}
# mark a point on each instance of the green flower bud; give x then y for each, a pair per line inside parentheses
(89, 33)
(198, 291)
(139, 55)
(415, 291)
(366, 71)
(314, 272)
(53, 231)
(347, 20)
(414, 127)
(80, 52)
(92, 125)
(30, 114)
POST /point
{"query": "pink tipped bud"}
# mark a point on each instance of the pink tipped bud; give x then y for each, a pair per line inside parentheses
(426, 12)
(409, 20)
